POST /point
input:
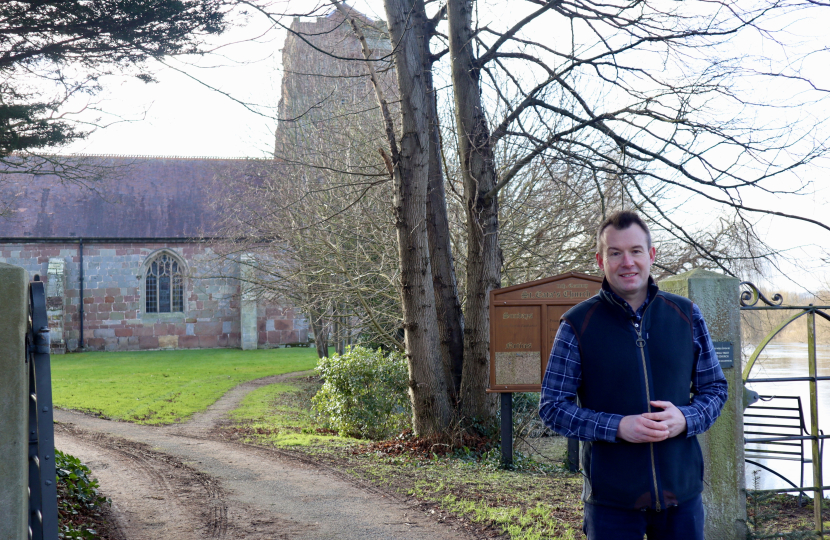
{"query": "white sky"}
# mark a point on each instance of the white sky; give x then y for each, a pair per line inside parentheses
(178, 116)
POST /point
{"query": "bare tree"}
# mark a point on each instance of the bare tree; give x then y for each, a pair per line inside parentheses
(639, 105)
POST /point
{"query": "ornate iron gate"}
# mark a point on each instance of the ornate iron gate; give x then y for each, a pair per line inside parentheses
(749, 302)
(43, 494)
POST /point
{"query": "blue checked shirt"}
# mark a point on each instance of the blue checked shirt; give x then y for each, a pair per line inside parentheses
(563, 377)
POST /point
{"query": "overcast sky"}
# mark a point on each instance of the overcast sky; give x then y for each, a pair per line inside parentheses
(179, 116)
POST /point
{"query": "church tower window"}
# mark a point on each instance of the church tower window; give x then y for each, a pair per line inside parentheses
(164, 291)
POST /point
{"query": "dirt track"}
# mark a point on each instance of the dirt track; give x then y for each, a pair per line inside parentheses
(181, 483)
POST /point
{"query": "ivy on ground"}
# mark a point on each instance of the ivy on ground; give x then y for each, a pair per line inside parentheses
(79, 502)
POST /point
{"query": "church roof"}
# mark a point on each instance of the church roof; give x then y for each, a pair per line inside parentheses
(138, 197)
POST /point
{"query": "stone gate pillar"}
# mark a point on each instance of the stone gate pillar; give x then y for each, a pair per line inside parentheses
(248, 307)
(14, 404)
(724, 493)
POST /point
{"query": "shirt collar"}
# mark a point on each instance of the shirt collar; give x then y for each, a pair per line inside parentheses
(610, 296)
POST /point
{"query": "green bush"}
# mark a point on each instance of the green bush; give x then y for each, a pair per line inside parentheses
(364, 393)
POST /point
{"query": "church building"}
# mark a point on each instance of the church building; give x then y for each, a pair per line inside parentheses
(130, 250)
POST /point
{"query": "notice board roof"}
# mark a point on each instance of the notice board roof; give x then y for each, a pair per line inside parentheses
(568, 288)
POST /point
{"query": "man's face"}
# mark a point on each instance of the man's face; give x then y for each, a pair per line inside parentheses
(626, 260)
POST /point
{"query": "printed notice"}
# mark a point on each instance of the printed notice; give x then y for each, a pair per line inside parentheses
(518, 368)
(725, 353)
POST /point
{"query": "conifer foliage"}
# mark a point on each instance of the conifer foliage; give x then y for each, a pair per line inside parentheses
(53, 50)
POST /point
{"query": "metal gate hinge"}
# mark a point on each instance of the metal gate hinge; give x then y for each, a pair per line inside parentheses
(42, 341)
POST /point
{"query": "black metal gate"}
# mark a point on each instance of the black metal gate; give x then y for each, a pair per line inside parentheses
(43, 494)
(768, 424)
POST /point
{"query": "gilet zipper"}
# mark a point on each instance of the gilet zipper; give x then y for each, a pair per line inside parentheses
(641, 344)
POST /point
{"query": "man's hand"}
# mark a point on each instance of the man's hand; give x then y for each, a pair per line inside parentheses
(653, 427)
(670, 416)
(637, 428)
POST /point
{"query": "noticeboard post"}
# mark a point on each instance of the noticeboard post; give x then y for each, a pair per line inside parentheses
(524, 319)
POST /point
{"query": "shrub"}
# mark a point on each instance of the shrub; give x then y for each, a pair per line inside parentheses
(364, 393)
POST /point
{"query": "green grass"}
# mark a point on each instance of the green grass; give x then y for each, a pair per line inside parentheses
(162, 387)
(532, 503)
(279, 415)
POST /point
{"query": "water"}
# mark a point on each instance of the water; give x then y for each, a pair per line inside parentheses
(790, 360)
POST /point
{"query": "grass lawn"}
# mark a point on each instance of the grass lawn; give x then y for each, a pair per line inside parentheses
(279, 415)
(163, 387)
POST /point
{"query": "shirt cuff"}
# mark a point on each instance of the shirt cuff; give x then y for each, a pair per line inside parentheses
(692, 420)
(613, 427)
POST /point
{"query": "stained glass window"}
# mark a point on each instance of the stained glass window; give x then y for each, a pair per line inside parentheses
(164, 286)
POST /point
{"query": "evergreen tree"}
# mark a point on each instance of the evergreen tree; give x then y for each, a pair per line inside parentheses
(53, 50)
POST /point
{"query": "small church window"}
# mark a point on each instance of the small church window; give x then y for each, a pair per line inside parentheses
(163, 286)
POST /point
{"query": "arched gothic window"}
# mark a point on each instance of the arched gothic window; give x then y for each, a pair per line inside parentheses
(163, 286)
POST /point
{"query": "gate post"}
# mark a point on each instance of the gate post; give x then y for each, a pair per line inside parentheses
(14, 404)
(724, 493)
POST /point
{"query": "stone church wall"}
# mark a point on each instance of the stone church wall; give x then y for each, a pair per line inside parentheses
(114, 318)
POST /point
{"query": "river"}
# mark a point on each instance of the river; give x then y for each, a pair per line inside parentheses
(790, 360)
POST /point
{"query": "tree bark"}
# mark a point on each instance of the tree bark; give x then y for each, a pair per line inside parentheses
(448, 308)
(338, 330)
(318, 326)
(479, 176)
(432, 412)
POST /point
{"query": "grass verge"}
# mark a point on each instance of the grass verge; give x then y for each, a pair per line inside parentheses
(529, 503)
(279, 415)
(162, 387)
(780, 516)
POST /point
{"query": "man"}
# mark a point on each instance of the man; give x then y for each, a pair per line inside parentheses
(644, 369)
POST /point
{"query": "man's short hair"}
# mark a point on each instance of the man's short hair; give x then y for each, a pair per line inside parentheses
(622, 220)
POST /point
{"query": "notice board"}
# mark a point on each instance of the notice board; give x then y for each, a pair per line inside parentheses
(523, 322)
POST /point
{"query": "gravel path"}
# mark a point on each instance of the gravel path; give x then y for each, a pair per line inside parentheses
(179, 483)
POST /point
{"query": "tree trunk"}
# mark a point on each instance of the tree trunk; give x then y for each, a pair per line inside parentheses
(337, 330)
(318, 326)
(479, 175)
(428, 385)
(448, 308)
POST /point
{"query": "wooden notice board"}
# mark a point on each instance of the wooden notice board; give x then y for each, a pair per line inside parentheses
(523, 322)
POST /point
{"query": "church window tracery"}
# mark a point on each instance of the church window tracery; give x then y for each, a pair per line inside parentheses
(164, 291)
